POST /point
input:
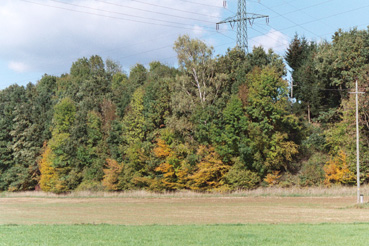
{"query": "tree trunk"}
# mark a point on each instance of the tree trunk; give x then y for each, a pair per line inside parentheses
(309, 119)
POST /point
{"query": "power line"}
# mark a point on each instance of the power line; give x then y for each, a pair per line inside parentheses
(308, 7)
(170, 8)
(147, 51)
(301, 10)
(263, 34)
(268, 35)
(220, 45)
(103, 11)
(289, 19)
(160, 48)
(316, 19)
(208, 5)
(203, 4)
(149, 11)
(330, 16)
(111, 17)
(124, 14)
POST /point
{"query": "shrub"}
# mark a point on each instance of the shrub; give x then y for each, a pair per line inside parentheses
(239, 177)
(337, 170)
(111, 174)
(90, 186)
(273, 178)
(312, 172)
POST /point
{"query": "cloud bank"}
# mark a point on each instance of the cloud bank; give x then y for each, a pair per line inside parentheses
(48, 35)
(272, 40)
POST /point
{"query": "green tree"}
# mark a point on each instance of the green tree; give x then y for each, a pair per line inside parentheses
(309, 91)
(230, 135)
(62, 146)
(10, 98)
(196, 88)
(134, 120)
(271, 125)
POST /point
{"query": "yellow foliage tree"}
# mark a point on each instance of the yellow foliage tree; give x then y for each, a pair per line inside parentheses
(170, 167)
(337, 170)
(273, 178)
(48, 173)
(169, 179)
(210, 170)
(162, 149)
(111, 174)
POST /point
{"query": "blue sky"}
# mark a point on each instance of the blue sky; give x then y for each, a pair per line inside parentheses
(47, 36)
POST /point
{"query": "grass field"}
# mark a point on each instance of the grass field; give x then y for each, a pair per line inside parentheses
(184, 219)
(282, 234)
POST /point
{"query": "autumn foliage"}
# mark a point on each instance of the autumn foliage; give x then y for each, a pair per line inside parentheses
(47, 171)
(50, 179)
(111, 174)
(169, 168)
(337, 170)
(273, 178)
(214, 123)
(209, 171)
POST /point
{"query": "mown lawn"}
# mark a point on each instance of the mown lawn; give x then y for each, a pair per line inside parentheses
(260, 234)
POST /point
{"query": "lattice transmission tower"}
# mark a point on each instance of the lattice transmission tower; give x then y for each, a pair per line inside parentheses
(242, 18)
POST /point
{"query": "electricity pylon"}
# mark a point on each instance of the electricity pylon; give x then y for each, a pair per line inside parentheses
(241, 18)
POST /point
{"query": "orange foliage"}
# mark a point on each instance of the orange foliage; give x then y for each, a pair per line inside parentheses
(337, 170)
(174, 175)
(162, 150)
(273, 178)
(169, 179)
(210, 170)
(111, 174)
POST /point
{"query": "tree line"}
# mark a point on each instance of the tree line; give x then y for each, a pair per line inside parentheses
(212, 124)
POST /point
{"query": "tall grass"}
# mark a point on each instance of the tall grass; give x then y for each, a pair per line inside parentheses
(334, 191)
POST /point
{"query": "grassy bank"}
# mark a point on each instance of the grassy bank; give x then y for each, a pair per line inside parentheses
(335, 191)
(296, 234)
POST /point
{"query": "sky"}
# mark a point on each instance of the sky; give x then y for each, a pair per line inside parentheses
(46, 36)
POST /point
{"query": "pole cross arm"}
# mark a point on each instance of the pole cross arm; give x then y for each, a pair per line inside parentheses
(228, 20)
(236, 19)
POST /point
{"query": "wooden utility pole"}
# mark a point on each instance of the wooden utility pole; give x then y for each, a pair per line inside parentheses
(357, 141)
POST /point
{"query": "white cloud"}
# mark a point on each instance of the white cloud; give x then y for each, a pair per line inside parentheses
(198, 30)
(272, 40)
(49, 37)
(18, 67)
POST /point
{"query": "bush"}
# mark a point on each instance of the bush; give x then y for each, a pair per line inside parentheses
(90, 186)
(273, 178)
(288, 180)
(337, 170)
(239, 177)
(312, 172)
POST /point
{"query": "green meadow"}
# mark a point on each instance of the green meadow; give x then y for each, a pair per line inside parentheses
(257, 234)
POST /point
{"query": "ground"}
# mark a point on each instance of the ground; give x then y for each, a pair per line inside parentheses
(180, 210)
(316, 216)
